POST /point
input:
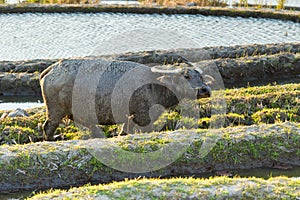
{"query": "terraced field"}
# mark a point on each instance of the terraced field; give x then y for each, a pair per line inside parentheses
(260, 130)
(241, 143)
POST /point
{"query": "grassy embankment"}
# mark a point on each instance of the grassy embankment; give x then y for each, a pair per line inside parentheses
(245, 106)
(185, 188)
(62, 164)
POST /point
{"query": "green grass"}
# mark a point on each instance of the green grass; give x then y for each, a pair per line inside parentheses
(184, 188)
(20, 130)
(246, 106)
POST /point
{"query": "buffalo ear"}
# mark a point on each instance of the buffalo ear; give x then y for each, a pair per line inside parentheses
(209, 80)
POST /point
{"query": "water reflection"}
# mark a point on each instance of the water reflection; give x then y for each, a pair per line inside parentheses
(12, 103)
(59, 35)
(264, 173)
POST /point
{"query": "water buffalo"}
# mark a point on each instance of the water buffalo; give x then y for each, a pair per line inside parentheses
(89, 89)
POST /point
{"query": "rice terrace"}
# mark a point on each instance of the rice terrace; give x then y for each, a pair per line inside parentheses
(149, 99)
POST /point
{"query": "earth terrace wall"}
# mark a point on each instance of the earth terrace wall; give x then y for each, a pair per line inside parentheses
(237, 66)
(142, 9)
(46, 165)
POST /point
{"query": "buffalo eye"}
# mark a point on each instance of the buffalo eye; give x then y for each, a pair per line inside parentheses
(186, 76)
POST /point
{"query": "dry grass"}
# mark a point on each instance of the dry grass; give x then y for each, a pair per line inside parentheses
(63, 1)
(184, 2)
(280, 4)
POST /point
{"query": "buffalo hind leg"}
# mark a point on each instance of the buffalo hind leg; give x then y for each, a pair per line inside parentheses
(50, 126)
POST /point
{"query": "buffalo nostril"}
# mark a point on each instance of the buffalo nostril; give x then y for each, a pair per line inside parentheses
(204, 92)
